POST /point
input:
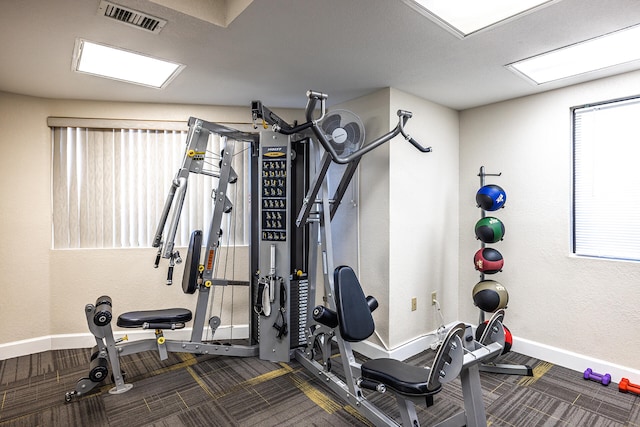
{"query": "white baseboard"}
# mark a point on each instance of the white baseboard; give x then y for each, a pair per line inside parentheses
(87, 340)
(554, 355)
(24, 347)
(574, 361)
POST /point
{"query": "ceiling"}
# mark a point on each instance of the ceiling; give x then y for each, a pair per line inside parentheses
(276, 50)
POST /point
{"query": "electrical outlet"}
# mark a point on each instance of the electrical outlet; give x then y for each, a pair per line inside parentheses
(414, 304)
(434, 297)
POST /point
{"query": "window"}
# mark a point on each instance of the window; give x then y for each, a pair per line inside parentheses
(109, 186)
(606, 180)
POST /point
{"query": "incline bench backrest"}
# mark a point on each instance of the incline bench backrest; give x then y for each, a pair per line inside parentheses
(190, 275)
(354, 314)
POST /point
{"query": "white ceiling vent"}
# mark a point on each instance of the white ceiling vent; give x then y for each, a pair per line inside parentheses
(129, 16)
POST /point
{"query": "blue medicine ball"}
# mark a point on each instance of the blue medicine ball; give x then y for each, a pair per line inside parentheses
(491, 197)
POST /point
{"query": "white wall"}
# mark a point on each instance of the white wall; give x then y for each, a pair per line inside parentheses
(408, 215)
(25, 226)
(373, 182)
(423, 225)
(585, 306)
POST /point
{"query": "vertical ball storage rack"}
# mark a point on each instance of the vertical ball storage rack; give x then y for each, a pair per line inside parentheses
(491, 367)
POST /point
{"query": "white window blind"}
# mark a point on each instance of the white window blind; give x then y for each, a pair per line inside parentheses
(109, 187)
(606, 206)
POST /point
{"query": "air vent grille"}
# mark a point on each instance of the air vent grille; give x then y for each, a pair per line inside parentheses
(132, 17)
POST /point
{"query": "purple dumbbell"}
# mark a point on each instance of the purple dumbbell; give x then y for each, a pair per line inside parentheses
(594, 376)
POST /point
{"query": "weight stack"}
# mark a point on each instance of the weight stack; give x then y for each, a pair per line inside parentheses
(299, 312)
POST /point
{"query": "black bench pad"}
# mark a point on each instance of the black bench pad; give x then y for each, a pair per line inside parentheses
(167, 316)
(401, 377)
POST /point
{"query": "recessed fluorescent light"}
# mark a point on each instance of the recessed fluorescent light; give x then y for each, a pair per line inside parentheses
(612, 49)
(464, 17)
(119, 64)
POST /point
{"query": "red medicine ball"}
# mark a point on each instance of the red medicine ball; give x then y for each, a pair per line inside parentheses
(488, 261)
(508, 338)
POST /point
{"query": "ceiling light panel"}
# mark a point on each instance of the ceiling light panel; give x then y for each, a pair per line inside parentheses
(620, 47)
(124, 65)
(465, 17)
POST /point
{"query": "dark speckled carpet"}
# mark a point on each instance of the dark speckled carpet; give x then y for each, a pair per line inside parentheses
(188, 390)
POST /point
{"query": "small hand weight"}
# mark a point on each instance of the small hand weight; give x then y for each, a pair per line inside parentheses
(594, 376)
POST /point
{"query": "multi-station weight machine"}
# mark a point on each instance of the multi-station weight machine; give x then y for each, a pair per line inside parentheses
(290, 239)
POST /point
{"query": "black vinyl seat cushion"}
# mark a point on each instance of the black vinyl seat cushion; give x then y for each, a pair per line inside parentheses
(167, 316)
(356, 324)
(399, 376)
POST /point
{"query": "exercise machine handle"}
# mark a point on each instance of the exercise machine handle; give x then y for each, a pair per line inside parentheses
(158, 256)
(403, 116)
(313, 98)
(170, 276)
(173, 260)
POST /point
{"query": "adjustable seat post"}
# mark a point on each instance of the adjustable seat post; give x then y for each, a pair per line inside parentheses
(162, 348)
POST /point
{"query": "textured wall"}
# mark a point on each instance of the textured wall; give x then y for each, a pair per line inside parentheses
(581, 305)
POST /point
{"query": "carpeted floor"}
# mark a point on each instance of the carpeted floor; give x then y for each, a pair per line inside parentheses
(188, 390)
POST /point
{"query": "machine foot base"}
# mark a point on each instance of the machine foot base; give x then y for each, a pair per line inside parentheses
(497, 368)
(125, 388)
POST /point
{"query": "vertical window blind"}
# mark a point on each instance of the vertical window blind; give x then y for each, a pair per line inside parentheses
(606, 180)
(109, 187)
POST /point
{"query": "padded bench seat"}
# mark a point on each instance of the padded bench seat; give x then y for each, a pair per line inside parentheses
(399, 376)
(168, 318)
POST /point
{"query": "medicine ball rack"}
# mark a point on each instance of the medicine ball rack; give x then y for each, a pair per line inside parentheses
(491, 367)
(482, 174)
